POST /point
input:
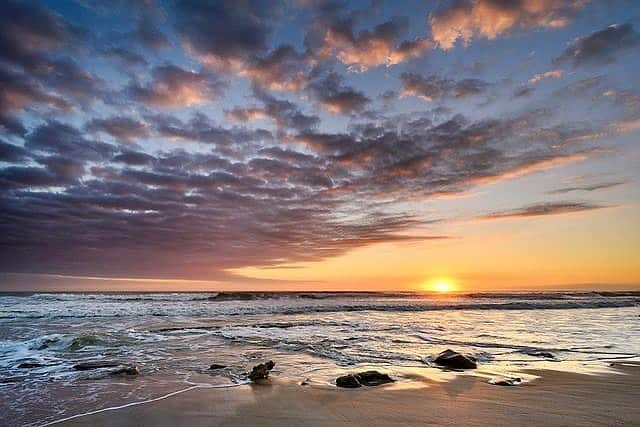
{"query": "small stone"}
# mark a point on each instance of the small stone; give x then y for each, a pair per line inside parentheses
(217, 366)
(454, 360)
(261, 371)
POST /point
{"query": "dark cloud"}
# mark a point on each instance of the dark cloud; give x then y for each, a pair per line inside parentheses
(601, 47)
(28, 30)
(334, 96)
(19, 91)
(61, 139)
(120, 127)
(593, 187)
(219, 32)
(133, 158)
(544, 209)
(11, 153)
(434, 88)
(172, 86)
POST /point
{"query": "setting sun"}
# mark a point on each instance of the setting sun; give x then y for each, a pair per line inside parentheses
(441, 286)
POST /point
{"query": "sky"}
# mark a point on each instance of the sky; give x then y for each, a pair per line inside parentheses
(311, 145)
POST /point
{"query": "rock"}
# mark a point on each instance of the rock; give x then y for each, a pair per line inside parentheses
(368, 378)
(348, 381)
(454, 360)
(217, 366)
(86, 366)
(261, 371)
(29, 365)
(505, 381)
(372, 378)
(127, 370)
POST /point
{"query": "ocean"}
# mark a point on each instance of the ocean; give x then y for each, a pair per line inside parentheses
(312, 336)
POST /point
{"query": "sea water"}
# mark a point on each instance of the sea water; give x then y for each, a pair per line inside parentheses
(312, 336)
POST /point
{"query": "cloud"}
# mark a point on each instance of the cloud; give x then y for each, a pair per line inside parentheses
(133, 158)
(172, 86)
(11, 153)
(332, 95)
(367, 48)
(20, 92)
(468, 19)
(281, 69)
(601, 47)
(221, 32)
(551, 74)
(594, 187)
(544, 209)
(119, 127)
(62, 139)
(433, 88)
(28, 30)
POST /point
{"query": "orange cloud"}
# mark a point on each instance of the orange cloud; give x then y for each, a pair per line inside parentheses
(488, 19)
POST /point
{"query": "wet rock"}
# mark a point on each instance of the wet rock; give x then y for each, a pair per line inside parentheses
(373, 378)
(86, 366)
(368, 378)
(261, 371)
(505, 381)
(126, 370)
(217, 366)
(30, 365)
(454, 360)
(348, 381)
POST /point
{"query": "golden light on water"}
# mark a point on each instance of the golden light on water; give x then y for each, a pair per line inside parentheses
(441, 285)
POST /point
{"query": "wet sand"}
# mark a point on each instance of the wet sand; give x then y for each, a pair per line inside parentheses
(556, 398)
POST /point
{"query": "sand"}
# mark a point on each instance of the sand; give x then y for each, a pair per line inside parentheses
(556, 398)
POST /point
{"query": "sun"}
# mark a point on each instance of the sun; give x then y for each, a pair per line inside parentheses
(441, 286)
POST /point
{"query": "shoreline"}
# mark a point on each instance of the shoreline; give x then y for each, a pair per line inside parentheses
(555, 398)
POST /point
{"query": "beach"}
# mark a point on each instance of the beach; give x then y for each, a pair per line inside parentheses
(555, 398)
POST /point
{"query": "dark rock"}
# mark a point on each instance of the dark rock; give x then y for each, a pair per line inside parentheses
(454, 360)
(348, 381)
(368, 378)
(372, 378)
(217, 366)
(29, 365)
(86, 366)
(126, 370)
(505, 381)
(261, 371)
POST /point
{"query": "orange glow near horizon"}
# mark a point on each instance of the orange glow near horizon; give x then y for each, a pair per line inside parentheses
(441, 286)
